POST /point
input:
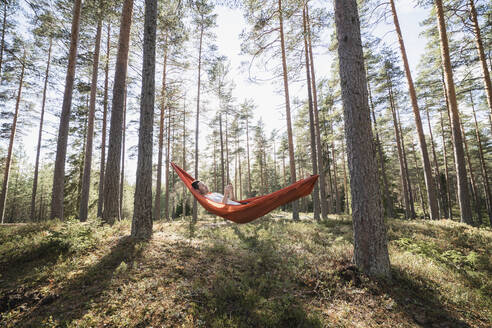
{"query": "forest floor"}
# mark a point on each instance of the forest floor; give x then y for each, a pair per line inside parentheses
(270, 273)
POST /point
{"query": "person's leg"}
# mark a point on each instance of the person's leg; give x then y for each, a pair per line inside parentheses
(232, 195)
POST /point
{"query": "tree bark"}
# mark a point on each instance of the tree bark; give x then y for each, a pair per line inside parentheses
(429, 183)
(100, 200)
(370, 243)
(195, 205)
(8, 160)
(228, 178)
(449, 212)
(464, 200)
(157, 201)
(240, 171)
(123, 142)
(142, 212)
(293, 178)
(61, 148)
(40, 134)
(338, 208)
(86, 180)
(345, 185)
(82, 154)
(168, 155)
(112, 173)
(185, 198)
(222, 165)
(322, 182)
(247, 155)
(314, 159)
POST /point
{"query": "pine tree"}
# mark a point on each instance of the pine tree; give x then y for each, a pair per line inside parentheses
(463, 196)
(370, 243)
(112, 171)
(61, 149)
(8, 161)
(142, 209)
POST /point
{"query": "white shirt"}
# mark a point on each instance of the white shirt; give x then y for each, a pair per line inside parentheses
(217, 197)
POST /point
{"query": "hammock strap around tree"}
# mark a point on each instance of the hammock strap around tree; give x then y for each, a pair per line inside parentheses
(251, 208)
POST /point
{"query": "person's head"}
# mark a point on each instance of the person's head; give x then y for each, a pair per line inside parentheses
(200, 186)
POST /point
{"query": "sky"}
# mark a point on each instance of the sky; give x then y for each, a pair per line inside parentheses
(270, 104)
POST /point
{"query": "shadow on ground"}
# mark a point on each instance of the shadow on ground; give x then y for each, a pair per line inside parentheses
(250, 286)
(72, 301)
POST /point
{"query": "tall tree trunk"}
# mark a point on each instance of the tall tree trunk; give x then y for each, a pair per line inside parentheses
(8, 160)
(293, 178)
(168, 155)
(314, 159)
(2, 43)
(404, 181)
(370, 243)
(387, 200)
(240, 173)
(222, 167)
(82, 154)
(481, 55)
(464, 200)
(235, 166)
(331, 202)
(429, 183)
(158, 192)
(345, 185)
(61, 147)
(123, 148)
(100, 200)
(274, 182)
(442, 194)
(185, 198)
(284, 179)
(195, 205)
(216, 186)
(112, 173)
(455, 185)
(228, 178)
(40, 134)
(474, 189)
(449, 212)
(142, 210)
(405, 162)
(247, 155)
(419, 179)
(321, 171)
(86, 180)
(338, 208)
(483, 165)
(41, 206)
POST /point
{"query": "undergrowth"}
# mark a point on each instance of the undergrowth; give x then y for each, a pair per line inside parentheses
(270, 273)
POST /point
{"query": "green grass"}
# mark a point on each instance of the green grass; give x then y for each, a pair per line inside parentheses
(270, 273)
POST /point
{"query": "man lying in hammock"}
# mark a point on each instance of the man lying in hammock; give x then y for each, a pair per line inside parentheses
(227, 198)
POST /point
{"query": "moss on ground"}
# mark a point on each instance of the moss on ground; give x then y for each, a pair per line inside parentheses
(270, 273)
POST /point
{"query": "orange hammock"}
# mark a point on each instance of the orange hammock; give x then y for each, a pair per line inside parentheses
(251, 208)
